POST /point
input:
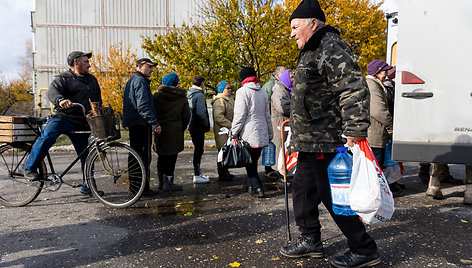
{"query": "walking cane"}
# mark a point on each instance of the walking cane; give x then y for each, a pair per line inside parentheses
(282, 134)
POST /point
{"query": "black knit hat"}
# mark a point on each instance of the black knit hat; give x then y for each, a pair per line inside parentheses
(246, 72)
(308, 9)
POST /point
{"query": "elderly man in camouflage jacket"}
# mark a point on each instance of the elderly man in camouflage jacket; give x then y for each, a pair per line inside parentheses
(329, 98)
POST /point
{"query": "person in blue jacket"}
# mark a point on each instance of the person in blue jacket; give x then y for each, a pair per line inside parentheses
(139, 116)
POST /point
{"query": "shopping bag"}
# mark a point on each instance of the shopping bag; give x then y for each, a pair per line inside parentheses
(234, 154)
(393, 171)
(289, 158)
(370, 196)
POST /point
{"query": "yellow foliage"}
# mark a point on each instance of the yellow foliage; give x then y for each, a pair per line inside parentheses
(112, 72)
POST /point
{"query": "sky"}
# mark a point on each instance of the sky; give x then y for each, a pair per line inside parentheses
(15, 22)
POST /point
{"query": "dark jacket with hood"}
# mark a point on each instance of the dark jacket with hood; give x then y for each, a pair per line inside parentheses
(199, 119)
(330, 95)
(68, 85)
(138, 107)
(171, 107)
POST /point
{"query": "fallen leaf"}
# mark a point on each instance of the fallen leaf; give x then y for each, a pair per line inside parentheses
(275, 259)
(258, 241)
(270, 214)
(178, 249)
(45, 199)
(235, 264)
(203, 235)
(466, 261)
(205, 199)
(215, 257)
(464, 221)
(146, 205)
(152, 179)
(428, 206)
(188, 214)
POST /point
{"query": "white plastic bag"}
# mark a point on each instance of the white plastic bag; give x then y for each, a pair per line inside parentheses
(290, 159)
(370, 196)
(393, 173)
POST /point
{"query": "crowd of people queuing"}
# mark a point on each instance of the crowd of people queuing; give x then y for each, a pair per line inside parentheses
(325, 96)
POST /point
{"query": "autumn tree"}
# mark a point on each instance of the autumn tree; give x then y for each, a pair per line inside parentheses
(230, 34)
(234, 33)
(112, 72)
(16, 94)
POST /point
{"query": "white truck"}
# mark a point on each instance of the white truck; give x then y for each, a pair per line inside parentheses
(430, 42)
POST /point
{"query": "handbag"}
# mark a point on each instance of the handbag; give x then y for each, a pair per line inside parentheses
(369, 194)
(290, 159)
(234, 154)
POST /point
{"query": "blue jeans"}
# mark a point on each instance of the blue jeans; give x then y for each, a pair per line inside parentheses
(56, 126)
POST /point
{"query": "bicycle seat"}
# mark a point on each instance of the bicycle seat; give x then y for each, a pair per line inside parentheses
(37, 120)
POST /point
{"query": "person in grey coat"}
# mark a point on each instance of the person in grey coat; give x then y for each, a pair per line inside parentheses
(199, 124)
(251, 123)
(139, 116)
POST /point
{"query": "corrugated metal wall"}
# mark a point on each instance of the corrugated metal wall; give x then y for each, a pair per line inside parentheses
(61, 26)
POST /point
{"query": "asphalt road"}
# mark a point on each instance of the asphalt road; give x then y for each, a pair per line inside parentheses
(219, 225)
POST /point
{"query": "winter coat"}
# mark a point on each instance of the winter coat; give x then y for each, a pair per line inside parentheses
(329, 96)
(223, 106)
(268, 87)
(199, 119)
(251, 120)
(381, 120)
(138, 107)
(172, 111)
(68, 85)
(280, 111)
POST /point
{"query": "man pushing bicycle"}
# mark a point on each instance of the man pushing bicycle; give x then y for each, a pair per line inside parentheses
(76, 85)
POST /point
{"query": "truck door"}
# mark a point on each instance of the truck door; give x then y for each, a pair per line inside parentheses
(433, 93)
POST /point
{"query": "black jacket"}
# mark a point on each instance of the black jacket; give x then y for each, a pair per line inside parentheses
(68, 85)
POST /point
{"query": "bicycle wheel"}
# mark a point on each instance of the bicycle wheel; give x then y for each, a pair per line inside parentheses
(118, 171)
(15, 189)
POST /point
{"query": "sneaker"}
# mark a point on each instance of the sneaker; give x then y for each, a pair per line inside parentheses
(351, 259)
(31, 175)
(201, 179)
(306, 246)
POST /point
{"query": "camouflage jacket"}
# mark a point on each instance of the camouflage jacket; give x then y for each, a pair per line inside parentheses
(330, 95)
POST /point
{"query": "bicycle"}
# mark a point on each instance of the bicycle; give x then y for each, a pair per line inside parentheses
(112, 167)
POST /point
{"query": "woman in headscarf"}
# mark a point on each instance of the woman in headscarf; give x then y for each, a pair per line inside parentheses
(173, 114)
(280, 106)
(223, 105)
(252, 123)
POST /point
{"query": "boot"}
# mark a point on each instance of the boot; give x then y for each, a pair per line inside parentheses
(223, 173)
(468, 194)
(160, 177)
(169, 185)
(434, 188)
(306, 246)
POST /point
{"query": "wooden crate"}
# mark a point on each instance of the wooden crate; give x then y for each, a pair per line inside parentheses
(15, 129)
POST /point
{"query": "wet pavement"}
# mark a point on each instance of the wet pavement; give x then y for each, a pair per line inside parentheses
(220, 225)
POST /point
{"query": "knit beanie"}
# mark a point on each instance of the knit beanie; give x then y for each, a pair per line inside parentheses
(171, 80)
(246, 72)
(308, 9)
(376, 66)
(221, 86)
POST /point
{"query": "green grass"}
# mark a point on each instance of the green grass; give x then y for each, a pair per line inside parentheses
(208, 135)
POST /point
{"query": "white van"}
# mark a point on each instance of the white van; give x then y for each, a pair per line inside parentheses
(433, 93)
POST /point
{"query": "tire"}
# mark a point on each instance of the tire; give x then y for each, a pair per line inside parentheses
(118, 171)
(15, 189)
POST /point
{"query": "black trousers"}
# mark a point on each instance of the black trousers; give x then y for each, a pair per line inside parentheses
(166, 164)
(140, 140)
(253, 179)
(310, 187)
(198, 140)
(379, 154)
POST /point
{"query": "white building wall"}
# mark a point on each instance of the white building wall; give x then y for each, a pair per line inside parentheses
(62, 26)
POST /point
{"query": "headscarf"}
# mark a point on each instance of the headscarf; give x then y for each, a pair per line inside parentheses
(221, 86)
(285, 78)
(171, 80)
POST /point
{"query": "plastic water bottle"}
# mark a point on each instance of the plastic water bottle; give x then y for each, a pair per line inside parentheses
(339, 173)
(268, 155)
